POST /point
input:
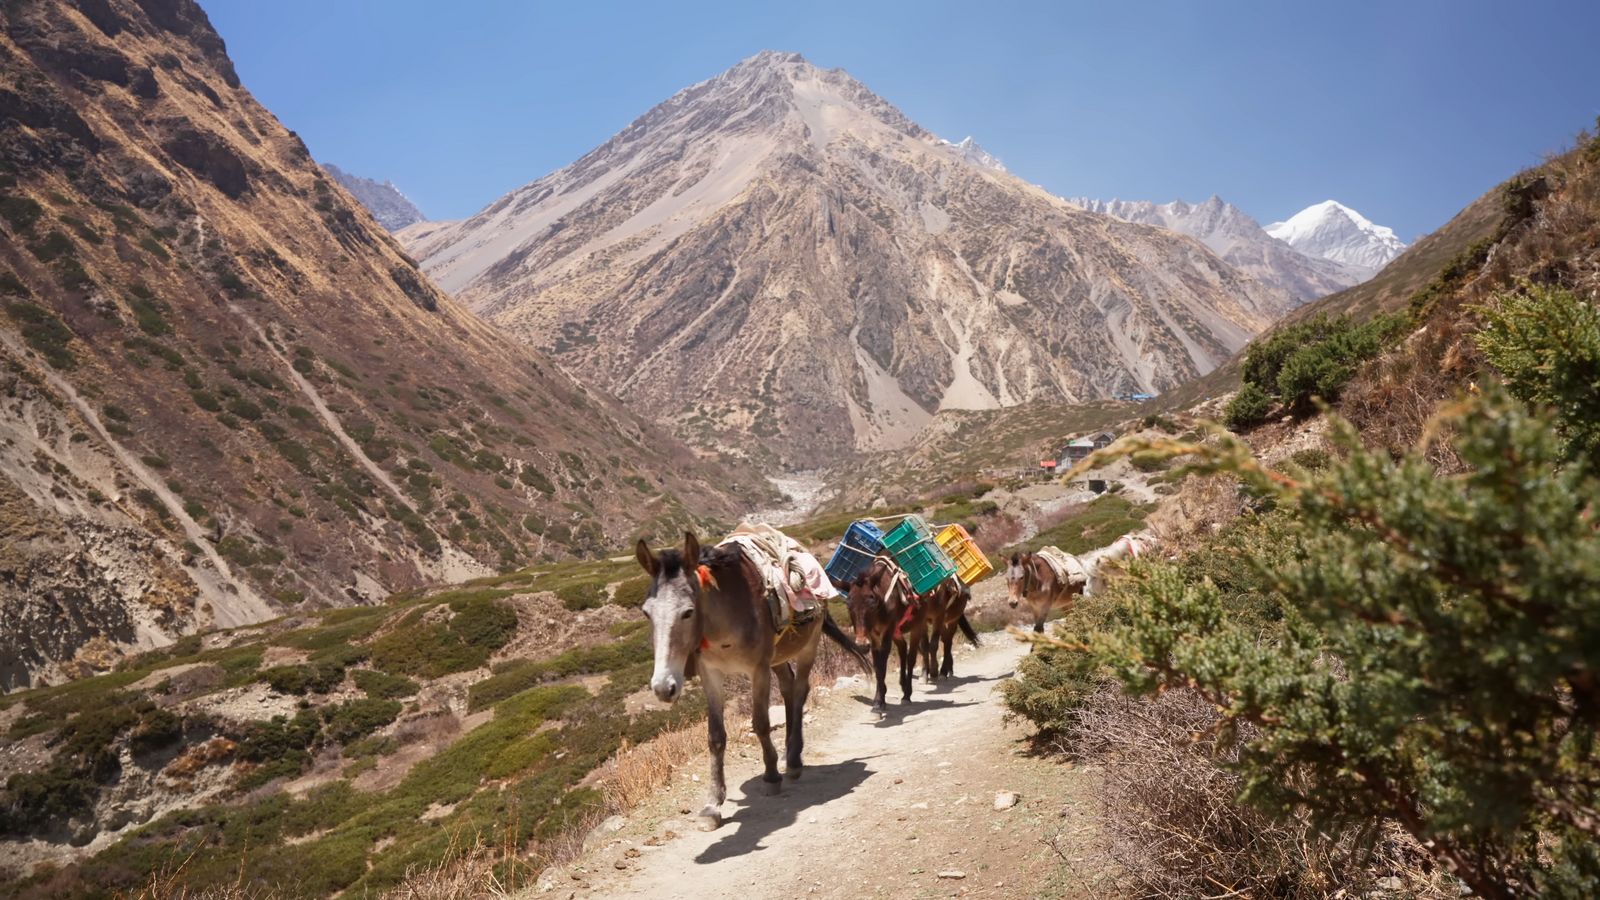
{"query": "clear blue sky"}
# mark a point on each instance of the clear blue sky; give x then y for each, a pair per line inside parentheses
(1404, 110)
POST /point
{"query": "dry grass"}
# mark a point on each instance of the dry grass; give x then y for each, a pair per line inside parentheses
(1171, 826)
(1202, 505)
(638, 771)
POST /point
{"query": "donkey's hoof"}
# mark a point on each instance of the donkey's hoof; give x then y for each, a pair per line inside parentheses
(793, 773)
(771, 788)
(709, 819)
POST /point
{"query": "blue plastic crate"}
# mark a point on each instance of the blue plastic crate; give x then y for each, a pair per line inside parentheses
(863, 540)
(924, 562)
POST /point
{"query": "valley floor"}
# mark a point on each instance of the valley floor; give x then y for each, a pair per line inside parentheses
(903, 806)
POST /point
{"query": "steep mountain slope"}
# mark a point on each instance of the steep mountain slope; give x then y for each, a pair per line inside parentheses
(778, 259)
(1332, 231)
(392, 209)
(1240, 241)
(226, 393)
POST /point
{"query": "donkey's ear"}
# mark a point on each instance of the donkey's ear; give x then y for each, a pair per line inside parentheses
(691, 549)
(647, 558)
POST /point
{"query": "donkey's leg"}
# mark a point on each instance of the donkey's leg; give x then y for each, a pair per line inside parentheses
(949, 666)
(930, 649)
(785, 673)
(795, 739)
(880, 664)
(908, 661)
(717, 742)
(761, 694)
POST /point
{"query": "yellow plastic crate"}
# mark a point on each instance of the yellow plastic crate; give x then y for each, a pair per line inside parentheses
(971, 565)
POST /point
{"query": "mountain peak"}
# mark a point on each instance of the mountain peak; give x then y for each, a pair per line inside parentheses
(1330, 230)
(1239, 239)
(393, 209)
(972, 153)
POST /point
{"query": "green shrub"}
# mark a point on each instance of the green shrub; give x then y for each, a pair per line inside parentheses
(480, 625)
(383, 686)
(148, 316)
(1050, 686)
(1546, 343)
(535, 479)
(1417, 647)
(1249, 407)
(520, 675)
(304, 679)
(44, 332)
(631, 593)
(1313, 358)
(244, 409)
(51, 247)
(20, 212)
(354, 719)
(1311, 459)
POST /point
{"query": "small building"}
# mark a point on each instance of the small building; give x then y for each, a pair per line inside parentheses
(1047, 466)
(1078, 450)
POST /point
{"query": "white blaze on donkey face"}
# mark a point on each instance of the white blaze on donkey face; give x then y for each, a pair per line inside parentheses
(674, 619)
(1014, 582)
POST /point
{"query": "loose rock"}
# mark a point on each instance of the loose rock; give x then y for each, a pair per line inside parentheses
(1006, 799)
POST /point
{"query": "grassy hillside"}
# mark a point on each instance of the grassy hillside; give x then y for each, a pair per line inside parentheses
(335, 750)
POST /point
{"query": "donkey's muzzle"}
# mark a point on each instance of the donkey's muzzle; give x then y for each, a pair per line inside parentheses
(667, 687)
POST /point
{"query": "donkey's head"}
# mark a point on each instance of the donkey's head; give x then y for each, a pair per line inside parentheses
(866, 598)
(673, 608)
(1017, 577)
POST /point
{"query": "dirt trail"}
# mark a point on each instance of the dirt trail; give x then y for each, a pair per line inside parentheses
(902, 807)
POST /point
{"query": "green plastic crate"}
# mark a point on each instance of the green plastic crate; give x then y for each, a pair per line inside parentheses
(912, 544)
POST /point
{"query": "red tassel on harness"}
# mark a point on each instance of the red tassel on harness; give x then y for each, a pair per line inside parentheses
(707, 580)
(911, 611)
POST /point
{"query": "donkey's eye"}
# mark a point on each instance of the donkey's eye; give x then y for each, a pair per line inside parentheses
(687, 614)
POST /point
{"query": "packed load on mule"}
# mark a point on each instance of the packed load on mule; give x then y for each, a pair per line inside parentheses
(862, 543)
(797, 587)
(914, 549)
(712, 613)
(971, 565)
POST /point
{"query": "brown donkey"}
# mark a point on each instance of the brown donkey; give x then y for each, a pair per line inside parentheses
(709, 615)
(885, 613)
(1032, 580)
(947, 613)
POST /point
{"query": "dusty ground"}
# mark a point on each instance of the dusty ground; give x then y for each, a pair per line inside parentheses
(903, 806)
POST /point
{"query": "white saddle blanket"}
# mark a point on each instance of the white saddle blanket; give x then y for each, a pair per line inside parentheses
(785, 566)
(1067, 567)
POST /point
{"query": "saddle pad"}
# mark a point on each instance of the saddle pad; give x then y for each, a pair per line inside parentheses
(1066, 566)
(796, 585)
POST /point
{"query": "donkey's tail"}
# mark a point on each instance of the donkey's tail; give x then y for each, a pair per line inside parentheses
(966, 629)
(839, 637)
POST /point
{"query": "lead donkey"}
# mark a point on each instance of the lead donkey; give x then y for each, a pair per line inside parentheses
(709, 616)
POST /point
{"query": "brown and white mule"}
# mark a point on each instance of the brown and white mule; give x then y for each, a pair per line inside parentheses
(1031, 580)
(1135, 545)
(947, 614)
(709, 616)
(885, 614)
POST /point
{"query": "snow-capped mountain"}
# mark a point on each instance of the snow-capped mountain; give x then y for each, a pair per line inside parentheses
(1240, 240)
(778, 259)
(1331, 230)
(972, 153)
(392, 209)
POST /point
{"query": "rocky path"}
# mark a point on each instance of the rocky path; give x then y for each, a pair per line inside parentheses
(905, 806)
